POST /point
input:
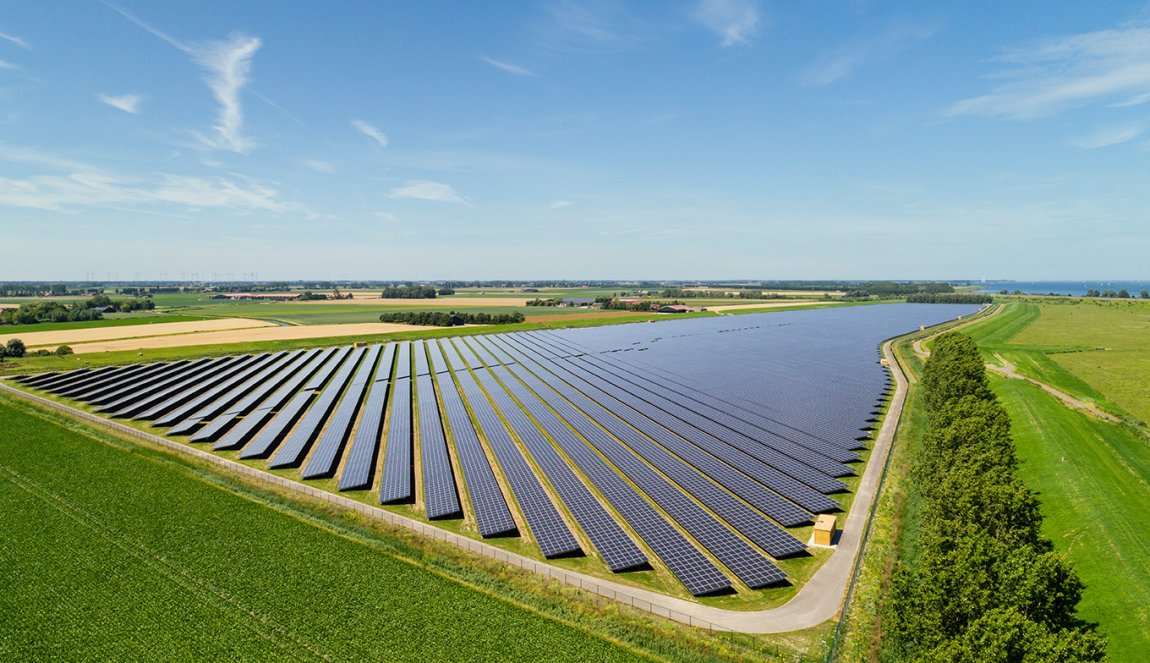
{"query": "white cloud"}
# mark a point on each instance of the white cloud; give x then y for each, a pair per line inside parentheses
(1108, 136)
(560, 204)
(589, 26)
(7, 65)
(228, 65)
(71, 186)
(425, 190)
(386, 216)
(876, 47)
(508, 67)
(371, 132)
(734, 21)
(15, 40)
(129, 103)
(1049, 76)
(320, 166)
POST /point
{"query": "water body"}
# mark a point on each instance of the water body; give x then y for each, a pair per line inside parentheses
(1074, 288)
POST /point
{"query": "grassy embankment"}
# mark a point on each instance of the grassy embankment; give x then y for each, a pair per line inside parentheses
(112, 557)
(1093, 477)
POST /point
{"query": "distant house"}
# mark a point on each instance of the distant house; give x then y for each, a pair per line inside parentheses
(577, 301)
(673, 308)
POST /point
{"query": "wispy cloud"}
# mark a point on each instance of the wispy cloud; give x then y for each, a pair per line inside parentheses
(734, 21)
(591, 26)
(320, 166)
(508, 67)
(434, 191)
(68, 186)
(228, 66)
(15, 40)
(371, 132)
(876, 47)
(386, 216)
(129, 103)
(1107, 136)
(7, 65)
(1049, 76)
(560, 204)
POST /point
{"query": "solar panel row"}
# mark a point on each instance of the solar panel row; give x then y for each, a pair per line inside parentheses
(360, 466)
(440, 497)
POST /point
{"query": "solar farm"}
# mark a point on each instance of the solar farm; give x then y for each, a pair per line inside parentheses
(699, 446)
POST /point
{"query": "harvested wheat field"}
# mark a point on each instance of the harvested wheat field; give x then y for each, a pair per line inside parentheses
(438, 302)
(92, 334)
(774, 304)
(246, 336)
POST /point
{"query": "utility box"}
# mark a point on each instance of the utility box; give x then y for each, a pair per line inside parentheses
(884, 361)
(824, 530)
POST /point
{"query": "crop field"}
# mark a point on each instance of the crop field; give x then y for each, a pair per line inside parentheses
(109, 320)
(1092, 476)
(139, 332)
(105, 557)
(687, 458)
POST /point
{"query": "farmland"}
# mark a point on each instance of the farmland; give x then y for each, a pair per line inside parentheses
(112, 562)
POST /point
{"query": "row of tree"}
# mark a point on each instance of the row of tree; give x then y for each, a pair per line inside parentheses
(32, 313)
(681, 293)
(451, 319)
(949, 298)
(1120, 294)
(120, 305)
(409, 292)
(554, 301)
(984, 585)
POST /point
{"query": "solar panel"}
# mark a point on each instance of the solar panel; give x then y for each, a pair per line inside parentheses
(264, 383)
(234, 394)
(616, 548)
(397, 483)
(187, 389)
(440, 497)
(196, 404)
(239, 435)
(543, 520)
(360, 467)
(692, 568)
(768, 536)
(328, 450)
(144, 383)
(142, 398)
(297, 444)
(271, 435)
(492, 517)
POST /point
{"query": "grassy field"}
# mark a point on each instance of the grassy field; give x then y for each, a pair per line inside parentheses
(106, 557)
(1093, 477)
(1094, 482)
(110, 320)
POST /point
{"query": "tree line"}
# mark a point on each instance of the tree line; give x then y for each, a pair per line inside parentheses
(451, 319)
(949, 298)
(985, 585)
(15, 348)
(409, 292)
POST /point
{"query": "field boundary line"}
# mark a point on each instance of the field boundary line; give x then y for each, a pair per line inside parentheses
(821, 598)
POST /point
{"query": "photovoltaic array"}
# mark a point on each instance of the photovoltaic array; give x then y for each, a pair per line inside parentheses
(694, 445)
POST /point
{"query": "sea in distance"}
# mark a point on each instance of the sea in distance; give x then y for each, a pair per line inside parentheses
(1074, 288)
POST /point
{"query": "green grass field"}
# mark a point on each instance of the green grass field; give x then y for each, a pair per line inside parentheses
(110, 320)
(1093, 477)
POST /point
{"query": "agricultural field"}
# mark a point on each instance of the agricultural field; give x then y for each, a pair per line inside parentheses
(105, 557)
(523, 407)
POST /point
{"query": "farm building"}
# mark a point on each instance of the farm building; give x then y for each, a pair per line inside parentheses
(577, 301)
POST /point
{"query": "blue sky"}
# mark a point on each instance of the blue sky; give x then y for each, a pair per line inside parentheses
(560, 139)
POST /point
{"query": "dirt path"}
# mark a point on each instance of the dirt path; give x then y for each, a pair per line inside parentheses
(1007, 369)
(919, 345)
